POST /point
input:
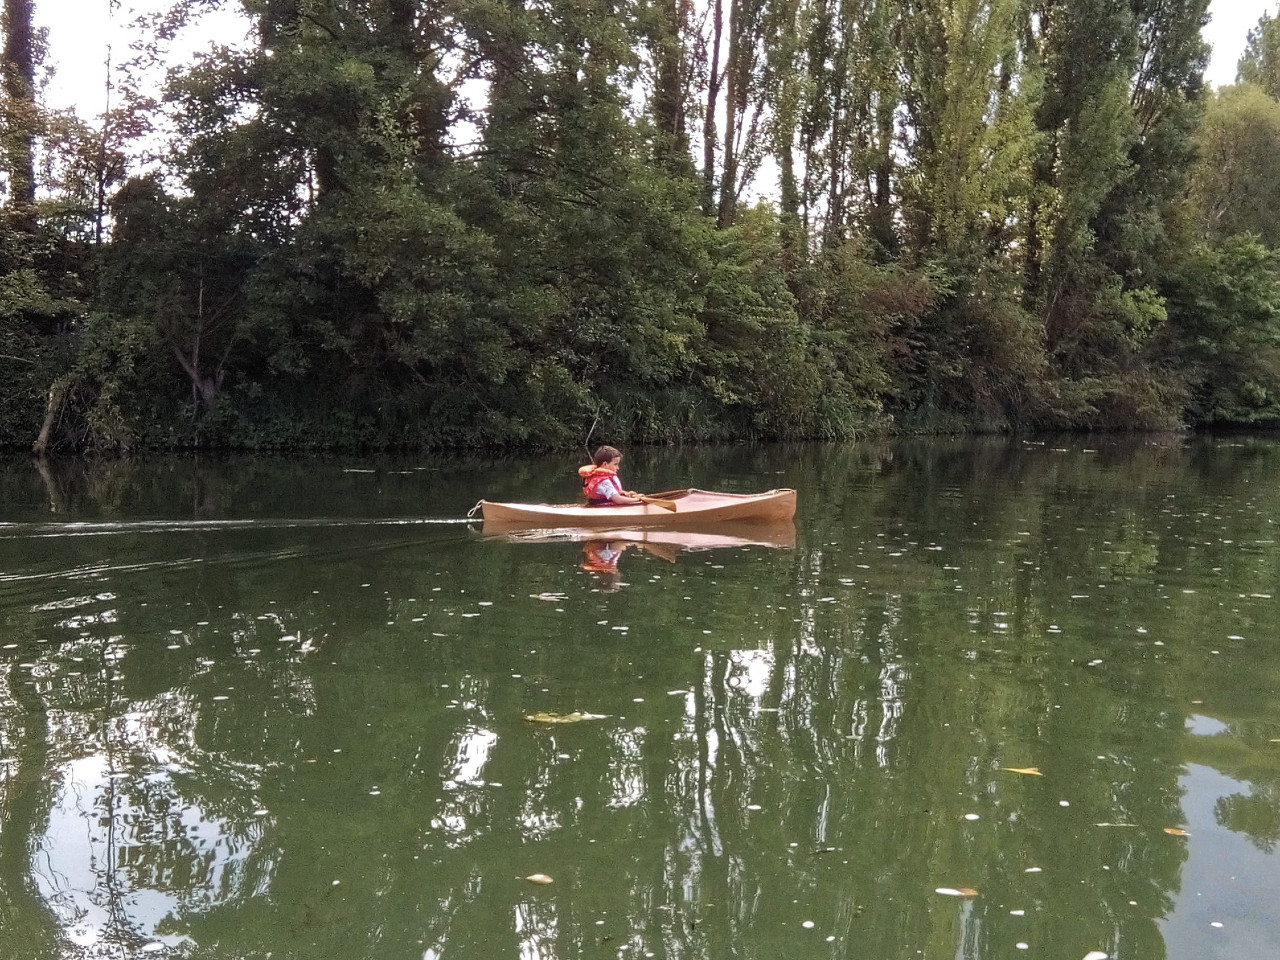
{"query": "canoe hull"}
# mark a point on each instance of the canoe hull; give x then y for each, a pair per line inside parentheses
(694, 508)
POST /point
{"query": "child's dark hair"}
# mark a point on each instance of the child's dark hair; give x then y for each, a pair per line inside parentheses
(605, 454)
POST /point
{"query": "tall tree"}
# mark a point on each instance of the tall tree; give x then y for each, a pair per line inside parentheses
(965, 181)
(1122, 83)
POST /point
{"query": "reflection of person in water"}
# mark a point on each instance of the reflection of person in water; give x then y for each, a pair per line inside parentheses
(600, 557)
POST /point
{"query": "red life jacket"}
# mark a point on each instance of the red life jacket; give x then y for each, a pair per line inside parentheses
(592, 477)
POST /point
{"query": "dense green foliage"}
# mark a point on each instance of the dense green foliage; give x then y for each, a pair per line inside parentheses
(463, 222)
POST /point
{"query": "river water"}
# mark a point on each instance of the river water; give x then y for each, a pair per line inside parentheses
(985, 700)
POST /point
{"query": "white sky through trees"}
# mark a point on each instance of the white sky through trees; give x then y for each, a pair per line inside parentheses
(80, 30)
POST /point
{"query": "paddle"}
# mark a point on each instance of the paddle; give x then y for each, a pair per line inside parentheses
(657, 502)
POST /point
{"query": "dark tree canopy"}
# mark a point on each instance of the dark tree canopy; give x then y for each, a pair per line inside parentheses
(461, 222)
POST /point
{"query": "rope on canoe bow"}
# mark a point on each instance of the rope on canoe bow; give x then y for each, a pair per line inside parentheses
(472, 512)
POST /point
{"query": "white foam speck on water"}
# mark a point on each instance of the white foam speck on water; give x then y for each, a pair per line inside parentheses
(1033, 870)
(808, 924)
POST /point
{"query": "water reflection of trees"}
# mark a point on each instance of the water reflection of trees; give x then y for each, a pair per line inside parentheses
(811, 762)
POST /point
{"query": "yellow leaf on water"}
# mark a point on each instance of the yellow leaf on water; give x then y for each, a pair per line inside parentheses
(574, 717)
(1031, 771)
(1176, 832)
(539, 878)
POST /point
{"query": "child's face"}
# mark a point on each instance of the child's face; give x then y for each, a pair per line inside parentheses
(615, 461)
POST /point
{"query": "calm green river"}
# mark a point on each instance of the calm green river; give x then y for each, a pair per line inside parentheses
(986, 700)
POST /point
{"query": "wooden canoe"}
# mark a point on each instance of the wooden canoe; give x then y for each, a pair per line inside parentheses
(692, 508)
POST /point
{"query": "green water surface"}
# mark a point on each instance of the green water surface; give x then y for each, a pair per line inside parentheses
(277, 708)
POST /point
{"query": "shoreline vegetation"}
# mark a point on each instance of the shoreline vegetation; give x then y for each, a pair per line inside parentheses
(449, 224)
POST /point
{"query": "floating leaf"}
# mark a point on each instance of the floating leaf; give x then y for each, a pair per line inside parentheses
(539, 878)
(1030, 771)
(1095, 955)
(574, 717)
(1176, 832)
(1115, 824)
(956, 891)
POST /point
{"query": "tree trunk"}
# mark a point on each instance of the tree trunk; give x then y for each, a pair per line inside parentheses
(734, 83)
(53, 407)
(17, 80)
(709, 134)
(882, 228)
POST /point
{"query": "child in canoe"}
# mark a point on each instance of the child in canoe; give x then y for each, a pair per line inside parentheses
(600, 481)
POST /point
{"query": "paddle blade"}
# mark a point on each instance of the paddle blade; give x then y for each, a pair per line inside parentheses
(658, 502)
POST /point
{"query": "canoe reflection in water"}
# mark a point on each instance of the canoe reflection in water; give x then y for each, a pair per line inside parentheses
(603, 549)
